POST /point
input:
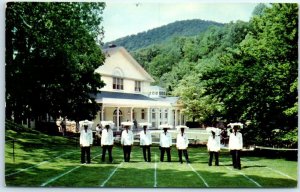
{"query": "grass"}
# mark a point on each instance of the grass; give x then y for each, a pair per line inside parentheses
(53, 161)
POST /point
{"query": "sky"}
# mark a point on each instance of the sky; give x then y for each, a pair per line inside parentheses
(129, 17)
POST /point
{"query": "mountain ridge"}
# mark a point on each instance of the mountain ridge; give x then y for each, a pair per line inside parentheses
(158, 35)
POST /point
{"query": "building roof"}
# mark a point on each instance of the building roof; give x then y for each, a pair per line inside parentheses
(130, 100)
(118, 95)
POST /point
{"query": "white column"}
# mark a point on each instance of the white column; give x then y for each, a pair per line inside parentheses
(176, 118)
(180, 117)
(102, 113)
(131, 114)
(118, 116)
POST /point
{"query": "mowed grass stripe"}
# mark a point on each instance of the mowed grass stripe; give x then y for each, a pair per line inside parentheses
(90, 175)
(266, 166)
(266, 176)
(112, 173)
(221, 176)
(155, 170)
(38, 164)
(136, 173)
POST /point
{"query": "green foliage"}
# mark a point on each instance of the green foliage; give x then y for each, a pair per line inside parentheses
(162, 34)
(246, 70)
(52, 51)
(257, 79)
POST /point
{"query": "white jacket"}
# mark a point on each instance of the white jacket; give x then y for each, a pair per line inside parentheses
(182, 142)
(165, 139)
(127, 138)
(145, 139)
(235, 141)
(86, 138)
(213, 144)
(107, 137)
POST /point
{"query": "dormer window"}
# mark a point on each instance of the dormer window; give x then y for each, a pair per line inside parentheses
(118, 83)
(137, 86)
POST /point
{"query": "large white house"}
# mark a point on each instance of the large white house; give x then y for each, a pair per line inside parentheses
(128, 94)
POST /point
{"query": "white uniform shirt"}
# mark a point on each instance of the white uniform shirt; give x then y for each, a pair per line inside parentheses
(213, 144)
(165, 140)
(86, 138)
(107, 137)
(182, 142)
(235, 141)
(145, 139)
(127, 138)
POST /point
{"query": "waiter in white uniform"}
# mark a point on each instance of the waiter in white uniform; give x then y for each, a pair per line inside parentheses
(107, 142)
(235, 146)
(145, 143)
(182, 143)
(86, 141)
(165, 144)
(127, 142)
(214, 146)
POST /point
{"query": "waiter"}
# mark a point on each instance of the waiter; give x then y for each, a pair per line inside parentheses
(107, 142)
(86, 141)
(235, 146)
(145, 143)
(182, 143)
(165, 143)
(127, 142)
(214, 146)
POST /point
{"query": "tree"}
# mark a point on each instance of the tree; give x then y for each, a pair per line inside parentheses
(197, 105)
(52, 51)
(257, 79)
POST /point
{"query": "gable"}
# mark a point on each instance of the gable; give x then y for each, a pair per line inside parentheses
(120, 63)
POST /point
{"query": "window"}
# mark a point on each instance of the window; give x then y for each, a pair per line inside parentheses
(166, 114)
(153, 113)
(143, 114)
(137, 86)
(118, 83)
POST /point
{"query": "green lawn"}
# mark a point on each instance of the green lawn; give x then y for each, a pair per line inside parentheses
(55, 161)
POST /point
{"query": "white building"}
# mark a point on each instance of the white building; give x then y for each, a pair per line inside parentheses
(128, 95)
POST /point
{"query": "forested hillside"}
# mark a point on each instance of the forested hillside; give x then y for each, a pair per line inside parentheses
(161, 34)
(243, 71)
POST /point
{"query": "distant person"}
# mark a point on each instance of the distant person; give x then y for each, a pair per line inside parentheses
(182, 143)
(145, 143)
(98, 134)
(235, 147)
(165, 144)
(213, 147)
(224, 137)
(107, 142)
(86, 141)
(127, 142)
(64, 125)
(135, 124)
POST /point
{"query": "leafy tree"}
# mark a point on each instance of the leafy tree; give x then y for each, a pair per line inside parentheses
(257, 80)
(259, 9)
(52, 50)
(197, 106)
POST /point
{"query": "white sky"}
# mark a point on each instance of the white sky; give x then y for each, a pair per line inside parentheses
(122, 18)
